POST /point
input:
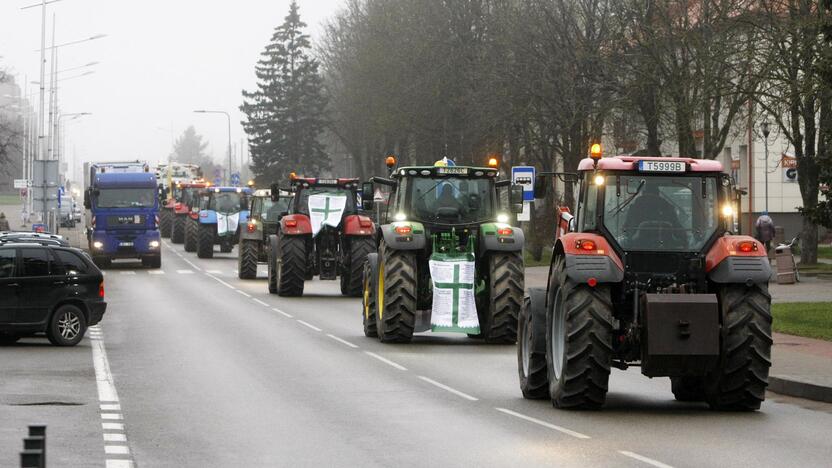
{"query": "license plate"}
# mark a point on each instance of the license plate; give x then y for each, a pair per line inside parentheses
(327, 181)
(452, 170)
(125, 244)
(661, 166)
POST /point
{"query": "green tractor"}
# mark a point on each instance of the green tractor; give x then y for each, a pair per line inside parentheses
(263, 221)
(447, 259)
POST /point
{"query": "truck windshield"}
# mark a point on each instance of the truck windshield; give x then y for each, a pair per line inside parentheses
(226, 202)
(126, 198)
(450, 200)
(660, 212)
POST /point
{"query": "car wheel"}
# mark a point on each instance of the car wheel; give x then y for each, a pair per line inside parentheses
(67, 326)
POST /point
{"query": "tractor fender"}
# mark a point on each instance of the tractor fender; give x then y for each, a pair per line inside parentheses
(358, 225)
(601, 263)
(413, 240)
(726, 263)
(493, 241)
(207, 217)
(295, 224)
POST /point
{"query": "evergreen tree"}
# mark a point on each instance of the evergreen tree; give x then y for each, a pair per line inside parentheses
(285, 115)
(189, 148)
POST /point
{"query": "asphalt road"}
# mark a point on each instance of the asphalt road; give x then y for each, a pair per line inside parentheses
(213, 371)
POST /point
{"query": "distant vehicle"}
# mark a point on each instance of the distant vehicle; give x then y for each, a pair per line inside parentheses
(48, 289)
(221, 212)
(264, 218)
(174, 209)
(65, 212)
(32, 237)
(76, 213)
(123, 219)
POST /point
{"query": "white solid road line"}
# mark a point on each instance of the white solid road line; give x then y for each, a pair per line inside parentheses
(543, 423)
(281, 312)
(449, 389)
(214, 272)
(644, 459)
(307, 324)
(260, 302)
(243, 293)
(386, 361)
(185, 272)
(115, 441)
(341, 341)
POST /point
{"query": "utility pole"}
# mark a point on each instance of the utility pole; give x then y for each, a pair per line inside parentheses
(38, 143)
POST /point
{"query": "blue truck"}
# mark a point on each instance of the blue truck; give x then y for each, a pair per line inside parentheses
(123, 218)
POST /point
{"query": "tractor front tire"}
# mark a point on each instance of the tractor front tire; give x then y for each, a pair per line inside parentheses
(165, 222)
(369, 278)
(531, 346)
(505, 286)
(352, 273)
(247, 264)
(205, 241)
(740, 380)
(290, 268)
(191, 227)
(578, 341)
(397, 283)
(177, 230)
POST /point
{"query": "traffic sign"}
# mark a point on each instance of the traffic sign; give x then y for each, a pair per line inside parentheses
(235, 179)
(524, 176)
(21, 183)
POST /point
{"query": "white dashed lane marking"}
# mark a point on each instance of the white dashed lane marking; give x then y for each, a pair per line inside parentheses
(448, 389)
(214, 272)
(342, 341)
(185, 272)
(116, 448)
(113, 437)
(281, 312)
(543, 423)
(128, 272)
(221, 282)
(243, 293)
(386, 361)
(644, 459)
(156, 272)
(309, 325)
(260, 302)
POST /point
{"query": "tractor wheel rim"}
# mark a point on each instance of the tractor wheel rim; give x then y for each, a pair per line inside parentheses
(69, 325)
(366, 286)
(526, 345)
(558, 335)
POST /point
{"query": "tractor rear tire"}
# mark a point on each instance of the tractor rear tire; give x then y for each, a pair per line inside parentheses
(205, 241)
(397, 284)
(531, 346)
(369, 278)
(177, 231)
(291, 265)
(578, 341)
(352, 273)
(505, 285)
(740, 380)
(688, 388)
(271, 262)
(165, 223)
(191, 227)
(247, 260)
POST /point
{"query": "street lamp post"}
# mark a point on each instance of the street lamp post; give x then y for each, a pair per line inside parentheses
(227, 116)
(764, 127)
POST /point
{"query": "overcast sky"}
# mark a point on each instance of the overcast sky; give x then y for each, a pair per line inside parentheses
(161, 59)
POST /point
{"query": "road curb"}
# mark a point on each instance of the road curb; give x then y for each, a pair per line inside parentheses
(791, 386)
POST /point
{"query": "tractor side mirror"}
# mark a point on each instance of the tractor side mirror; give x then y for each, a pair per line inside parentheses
(516, 198)
(367, 196)
(275, 192)
(540, 186)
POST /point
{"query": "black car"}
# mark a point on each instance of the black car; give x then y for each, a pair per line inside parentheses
(48, 289)
(26, 236)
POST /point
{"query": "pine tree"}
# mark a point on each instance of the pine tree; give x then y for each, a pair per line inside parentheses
(285, 115)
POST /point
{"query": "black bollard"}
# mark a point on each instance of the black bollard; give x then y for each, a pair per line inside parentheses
(31, 459)
(38, 431)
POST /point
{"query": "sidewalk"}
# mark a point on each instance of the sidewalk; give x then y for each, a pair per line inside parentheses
(800, 367)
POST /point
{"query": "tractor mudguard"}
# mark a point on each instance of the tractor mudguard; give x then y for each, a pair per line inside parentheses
(295, 224)
(498, 237)
(726, 262)
(207, 217)
(412, 239)
(357, 225)
(600, 263)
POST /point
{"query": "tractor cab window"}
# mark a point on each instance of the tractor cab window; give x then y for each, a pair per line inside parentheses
(449, 200)
(588, 210)
(188, 195)
(303, 198)
(228, 202)
(661, 212)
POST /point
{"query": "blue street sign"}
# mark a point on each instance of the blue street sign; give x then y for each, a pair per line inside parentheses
(235, 179)
(217, 181)
(524, 175)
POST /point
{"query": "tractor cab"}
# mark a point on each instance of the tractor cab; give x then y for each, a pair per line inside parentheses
(301, 188)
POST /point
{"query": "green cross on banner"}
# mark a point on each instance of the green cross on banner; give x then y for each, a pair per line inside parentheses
(455, 286)
(325, 210)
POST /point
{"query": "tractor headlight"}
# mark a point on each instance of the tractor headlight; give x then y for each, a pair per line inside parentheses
(400, 217)
(154, 244)
(727, 211)
(98, 245)
(599, 180)
(502, 218)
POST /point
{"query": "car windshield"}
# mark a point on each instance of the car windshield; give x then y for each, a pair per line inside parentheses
(450, 200)
(126, 198)
(660, 212)
(303, 198)
(226, 202)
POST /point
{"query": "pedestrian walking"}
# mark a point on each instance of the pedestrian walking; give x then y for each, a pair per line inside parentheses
(764, 230)
(4, 223)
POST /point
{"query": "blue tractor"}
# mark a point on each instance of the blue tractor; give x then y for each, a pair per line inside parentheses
(222, 211)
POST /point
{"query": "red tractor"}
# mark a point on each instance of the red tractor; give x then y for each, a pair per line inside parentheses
(649, 274)
(321, 234)
(184, 196)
